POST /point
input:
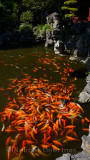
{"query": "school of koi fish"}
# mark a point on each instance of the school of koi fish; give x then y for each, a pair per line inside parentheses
(43, 115)
(40, 116)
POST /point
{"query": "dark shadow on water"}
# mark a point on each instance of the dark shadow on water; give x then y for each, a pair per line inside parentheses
(86, 108)
(81, 73)
(20, 46)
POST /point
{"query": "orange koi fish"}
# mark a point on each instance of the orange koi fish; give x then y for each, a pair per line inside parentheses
(57, 143)
(70, 126)
(85, 129)
(55, 148)
(72, 139)
(45, 145)
(87, 120)
(45, 127)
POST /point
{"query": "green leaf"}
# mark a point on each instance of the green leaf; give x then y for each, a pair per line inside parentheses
(70, 2)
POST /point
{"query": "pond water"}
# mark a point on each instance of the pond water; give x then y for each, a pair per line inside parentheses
(15, 63)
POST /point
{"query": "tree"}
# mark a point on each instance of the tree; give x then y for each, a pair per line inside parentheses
(9, 13)
(26, 17)
(70, 8)
(39, 7)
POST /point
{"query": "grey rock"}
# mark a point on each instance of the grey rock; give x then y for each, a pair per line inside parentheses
(49, 42)
(87, 88)
(79, 41)
(88, 51)
(59, 47)
(88, 64)
(84, 97)
(82, 158)
(49, 38)
(86, 144)
(82, 52)
(65, 157)
(73, 58)
(56, 34)
(75, 53)
(88, 78)
(69, 45)
(54, 20)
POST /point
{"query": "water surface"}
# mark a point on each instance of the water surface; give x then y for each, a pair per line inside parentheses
(15, 63)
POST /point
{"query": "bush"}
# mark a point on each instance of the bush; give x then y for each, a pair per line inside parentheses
(24, 26)
(70, 8)
(26, 17)
(42, 29)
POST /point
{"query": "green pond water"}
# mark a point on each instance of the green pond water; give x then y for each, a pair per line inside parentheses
(14, 63)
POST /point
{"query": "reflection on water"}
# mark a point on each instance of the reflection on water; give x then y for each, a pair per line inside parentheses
(35, 61)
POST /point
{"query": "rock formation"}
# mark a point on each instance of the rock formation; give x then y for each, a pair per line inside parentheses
(54, 37)
(84, 155)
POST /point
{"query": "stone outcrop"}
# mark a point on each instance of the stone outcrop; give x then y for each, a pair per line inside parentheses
(85, 94)
(84, 155)
(77, 40)
(17, 37)
(54, 21)
(49, 38)
(64, 157)
(54, 37)
(58, 47)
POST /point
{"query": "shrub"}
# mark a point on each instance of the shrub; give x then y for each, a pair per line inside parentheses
(24, 26)
(42, 29)
(70, 7)
(26, 17)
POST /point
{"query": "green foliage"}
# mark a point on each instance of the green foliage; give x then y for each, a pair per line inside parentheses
(1, 5)
(45, 27)
(14, 12)
(70, 6)
(42, 29)
(9, 13)
(64, 8)
(68, 15)
(70, 2)
(35, 4)
(73, 9)
(24, 26)
(26, 17)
